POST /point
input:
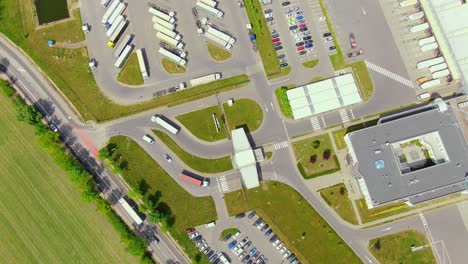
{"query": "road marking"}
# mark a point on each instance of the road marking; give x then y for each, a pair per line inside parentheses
(352, 114)
(21, 70)
(363, 11)
(368, 259)
(272, 108)
(344, 115)
(389, 74)
(278, 82)
(323, 121)
(276, 175)
(315, 123)
(281, 145)
(266, 107)
(386, 229)
(222, 184)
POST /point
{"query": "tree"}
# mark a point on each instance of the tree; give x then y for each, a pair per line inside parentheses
(326, 154)
(157, 216)
(313, 158)
(377, 244)
(27, 113)
(342, 190)
(104, 153)
(316, 144)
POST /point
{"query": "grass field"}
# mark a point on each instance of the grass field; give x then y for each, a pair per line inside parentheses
(338, 135)
(44, 219)
(80, 87)
(297, 224)
(396, 248)
(217, 53)
(200, 164)
(171, 67)
(315, 156)
(243, 112)
(130, 73)
(283, 102)
(310, 64)
(265, 47)
(188, 211)
(337, 198)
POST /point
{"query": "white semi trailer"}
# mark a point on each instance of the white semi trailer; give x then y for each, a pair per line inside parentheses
(428, 63)
(218, 41)
(438, 67)
(163, 22)
(158, 120)
(118, 11)
(221, 35)
(173, 57)
(121, 46)
(114, 26)
(113, 38)
(171, 41)
(211, 3)
(205, 79)
(167, 17)
(109, 11)
(134, 215)
(142, 63)
(429, 47)
(440, 74)
(419, 28)
(167, 31)
(430, 84)
(209, 9)
(425, 41)
(123, 57)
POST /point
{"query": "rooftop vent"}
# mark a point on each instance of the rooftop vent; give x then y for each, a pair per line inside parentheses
(379, 164)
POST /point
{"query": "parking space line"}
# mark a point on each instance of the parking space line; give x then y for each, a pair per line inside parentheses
(315, 123)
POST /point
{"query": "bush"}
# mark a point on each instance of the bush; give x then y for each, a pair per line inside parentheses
(284, 101)
(326, 154)
(313, 158)
(342, 190)
(316, 144)
(7, 90)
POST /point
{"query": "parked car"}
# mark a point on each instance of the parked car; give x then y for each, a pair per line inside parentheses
(332, 48)
(190, 230)
(293, 27)
(267, 11)
(275, 35)
(298, 44)
(273, 238)
(247, 245)
(269, 19)
(282, 65)
(280, 246)
(167, 158)
(265, 228)
(206, 250)
(286, 254)
(352, 41)
(252, 251)
(281, 56)
(295, 31)
(302, 52)
(303, 29)
(299, 17)
(300, 21)
(306, 33)
(232, 244)
(261, 224)
(291, 257)
(227, 237)
(262, 257)
(241, 215)
(267, 15)
(237, 234)
(277, 241)
(328, 34)
(252, 214)
(276, 44)
(203, 247)
(298, 13)
(193, 235)
(309, 45)
(285, 3)
(303, 25)
(328, 39)
(245, 259)
(355, 53)
(53, 127)
(275, 40)
(278, 48)
(258, 221)
(300, 48)
(255, 256)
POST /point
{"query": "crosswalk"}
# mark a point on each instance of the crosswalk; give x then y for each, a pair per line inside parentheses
(315, 123)
(222, 184)
(389, 74)
(281, 145)
(344, 115)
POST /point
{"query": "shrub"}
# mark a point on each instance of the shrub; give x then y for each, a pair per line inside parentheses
(316, 144)
(313, 158)
(326, 154)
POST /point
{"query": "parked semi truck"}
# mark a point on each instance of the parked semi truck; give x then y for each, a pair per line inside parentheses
(429, 47)
(438, 67)
(123, 57)
(118, 11)
(163, 22)
(415, 16)
(167, 17)
(218, 41)
(109, 11)
(194, 181)
(406, 3)
(173, 57)
(115, 25)
(114, 37)
(209, 9)
(440, 74)
(121, 46)
(211, 3)
(171, 41)
(205, 79)
(429, 84)
(419, 28)
(167, 31)
(142, 63)
(221, 35)
(425, 41)
(132, 213)
(428, 63)
(158, 120)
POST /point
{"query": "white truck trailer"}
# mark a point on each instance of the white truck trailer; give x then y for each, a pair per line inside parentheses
(440, 74)
(406, 3)
(121, 46)
(428, 63)
(123, 57)
(167, 31)
(429, 47)
(218, 41)
(438, 67)
(113, 38)
(430, 84)
(425, 41)
(118, 11)
(419, 28)
(114, 26)
(221, 35)
(211, 3)
(415, 16)
(167, 17)
(205, 79)
(173, 57)
(109, 11)
(171, 41)
(142, 63)
(218, 13)
(134, 215)
(158, 120)
(163, 23)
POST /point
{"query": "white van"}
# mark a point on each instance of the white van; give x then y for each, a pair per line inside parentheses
(423, 96)
(210, 224)
(407, 3)
(148, 139)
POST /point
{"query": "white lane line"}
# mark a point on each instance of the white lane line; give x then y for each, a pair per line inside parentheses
(363, 11)
(315, 123)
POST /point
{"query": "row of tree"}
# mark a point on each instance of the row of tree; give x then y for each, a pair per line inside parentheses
(76, 172)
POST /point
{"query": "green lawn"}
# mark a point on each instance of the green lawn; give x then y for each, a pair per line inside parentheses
(243, 112)
(141, 169)
(80, 87)
(265, 47)
(301, 228)
(200, 164)
(42, 213)
(338, 135)
(361, 74)
(310, 64)
(225, 232)
(315, 156)
(396, 248)
(217, 53)
(336, 196)
(171, 67)
(130, 73)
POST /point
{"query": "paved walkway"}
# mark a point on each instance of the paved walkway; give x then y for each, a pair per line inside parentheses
(74, 45)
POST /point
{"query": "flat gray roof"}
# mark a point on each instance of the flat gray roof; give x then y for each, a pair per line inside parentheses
(388, 183)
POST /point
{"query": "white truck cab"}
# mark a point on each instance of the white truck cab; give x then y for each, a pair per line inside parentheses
(148, 139)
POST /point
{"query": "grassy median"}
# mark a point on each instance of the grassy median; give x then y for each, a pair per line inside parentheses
(297, 224)
(336, 196)
(130, 73)
(310, 64)
(217, 53)
(200, 164)
(68, 68)
(172, 68)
